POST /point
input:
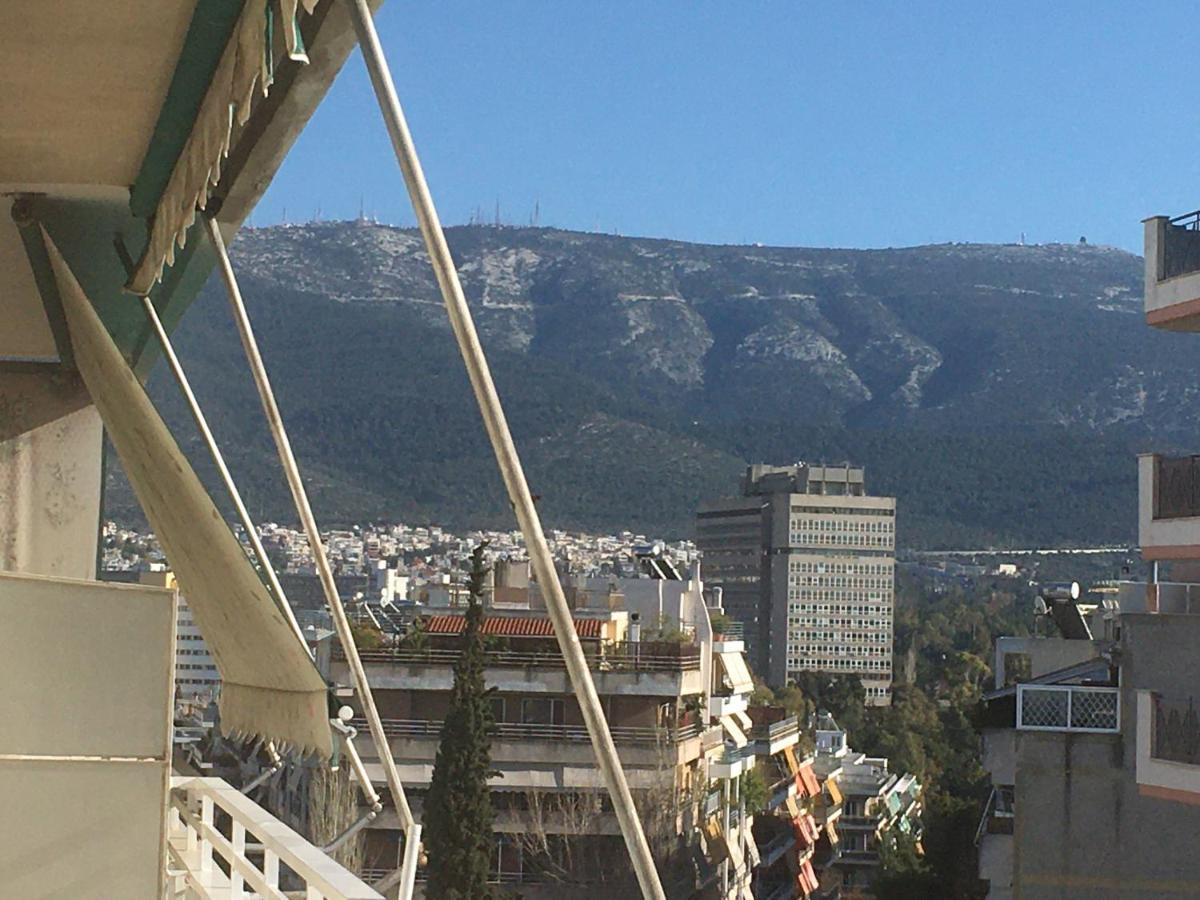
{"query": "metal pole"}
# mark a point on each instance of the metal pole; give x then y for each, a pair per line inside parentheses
(218, 459)
(505, 450)
(304, 509)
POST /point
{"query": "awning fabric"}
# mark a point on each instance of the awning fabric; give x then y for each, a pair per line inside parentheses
(744, 720)
(734, 731)
(790, 756)
(718, 847)
(808, 877)
(835, 793)
(245, 65)
(736, 672)
(809, 779)
(271, 687)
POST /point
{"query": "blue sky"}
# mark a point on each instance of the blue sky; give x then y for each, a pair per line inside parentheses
(803, 123)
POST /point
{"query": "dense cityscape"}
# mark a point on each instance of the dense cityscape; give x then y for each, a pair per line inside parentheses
(522, 561)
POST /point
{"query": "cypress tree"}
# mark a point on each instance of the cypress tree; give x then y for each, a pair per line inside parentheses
(458, 810)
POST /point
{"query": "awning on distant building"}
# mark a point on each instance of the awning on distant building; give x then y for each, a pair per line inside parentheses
(835, 792)
(512, 626)
(790, 756)
(734, 731)
(809, 780)
(736, 673)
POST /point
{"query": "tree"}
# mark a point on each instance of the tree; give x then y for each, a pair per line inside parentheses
(458, 809)
(902, 874)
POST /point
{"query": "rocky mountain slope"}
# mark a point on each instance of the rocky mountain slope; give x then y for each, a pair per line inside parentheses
(999, 391)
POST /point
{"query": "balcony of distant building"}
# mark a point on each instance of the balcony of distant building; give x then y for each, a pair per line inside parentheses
(523, 655)
(539, 740)
(1168, 746)
(1172, 283)
(1169, 507)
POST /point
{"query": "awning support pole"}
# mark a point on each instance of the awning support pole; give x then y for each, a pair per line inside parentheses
(288, 460)
(506, 452)
(218, 459)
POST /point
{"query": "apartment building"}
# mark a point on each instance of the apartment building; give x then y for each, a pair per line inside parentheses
(1090, 739)
(677, 701)
(805, 560)
(1091, 736)
(874, 805)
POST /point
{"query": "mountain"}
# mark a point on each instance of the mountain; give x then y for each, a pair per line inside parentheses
(999, 391)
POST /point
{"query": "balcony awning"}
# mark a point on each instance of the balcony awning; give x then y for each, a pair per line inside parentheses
(809, 780)
(736, 673)
(718, 847)
(790, 756)
(808, 878)
(734, 730)
(835, 793)
(271, 687)
(246, 66)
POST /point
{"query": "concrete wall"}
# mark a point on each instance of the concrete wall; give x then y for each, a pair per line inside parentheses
(1168, 303)
(531, 680)
(1084, 828)
(1046, 654)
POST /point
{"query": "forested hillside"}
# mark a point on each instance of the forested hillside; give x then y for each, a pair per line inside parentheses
(1000, 392)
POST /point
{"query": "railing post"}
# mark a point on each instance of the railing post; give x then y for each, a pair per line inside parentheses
(206, 850)
(236, 882)
(271, 868)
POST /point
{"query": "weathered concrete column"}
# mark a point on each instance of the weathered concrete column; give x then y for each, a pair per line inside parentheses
(50, 472)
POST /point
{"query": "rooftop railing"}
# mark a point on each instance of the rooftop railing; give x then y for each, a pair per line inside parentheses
(1176, 487)
(1068, 707)
(244, 857)
(1181, 246)
(774, 731)
(531, 731)
(627, 657)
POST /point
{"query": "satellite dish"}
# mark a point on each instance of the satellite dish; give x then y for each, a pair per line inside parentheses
(1039, 607)
(1066, 590)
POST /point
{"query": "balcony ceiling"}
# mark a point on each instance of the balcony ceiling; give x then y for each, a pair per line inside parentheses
(81, 86)
(97, 101)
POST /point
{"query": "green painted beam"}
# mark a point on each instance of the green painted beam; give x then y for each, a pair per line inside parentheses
(47, 288)
(212, 24)
(84, 230)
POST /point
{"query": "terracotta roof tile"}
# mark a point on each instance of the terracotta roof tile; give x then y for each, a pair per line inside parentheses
(512, 626)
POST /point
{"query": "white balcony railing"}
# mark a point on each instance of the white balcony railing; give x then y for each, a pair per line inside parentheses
(533, 731)
(194, 843)
(1068, 707)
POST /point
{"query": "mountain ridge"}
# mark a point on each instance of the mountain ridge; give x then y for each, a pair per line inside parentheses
(639, 374)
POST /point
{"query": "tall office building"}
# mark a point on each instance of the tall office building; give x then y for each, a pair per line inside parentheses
(806, 561)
